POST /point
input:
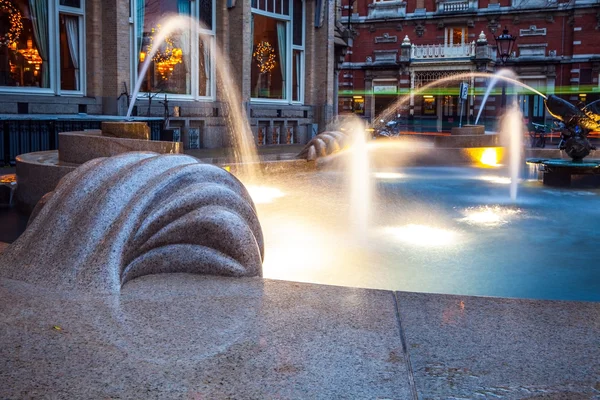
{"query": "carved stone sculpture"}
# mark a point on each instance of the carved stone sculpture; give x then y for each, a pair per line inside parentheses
(324, 144)
(114, 219)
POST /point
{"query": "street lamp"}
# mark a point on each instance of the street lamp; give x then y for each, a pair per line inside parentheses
(504, 45)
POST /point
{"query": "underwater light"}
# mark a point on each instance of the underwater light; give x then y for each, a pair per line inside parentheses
(502, 180)
(264, 194)
(489, 157)
(388, 175)
(422, 235)
(489, 216)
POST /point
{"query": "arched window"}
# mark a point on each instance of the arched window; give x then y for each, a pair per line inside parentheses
(183, 65)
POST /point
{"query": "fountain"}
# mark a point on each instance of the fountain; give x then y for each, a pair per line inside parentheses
(576, 124)
(99, 301)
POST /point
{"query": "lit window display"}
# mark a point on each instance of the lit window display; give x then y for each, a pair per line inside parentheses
(27, 58)
(171, 69)
(278, 50)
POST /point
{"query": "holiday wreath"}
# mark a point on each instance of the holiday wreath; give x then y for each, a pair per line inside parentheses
(16, 26)
(265, 57)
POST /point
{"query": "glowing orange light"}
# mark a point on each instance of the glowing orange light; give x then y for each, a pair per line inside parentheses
(31, 55)
(486, 157)
(167, 58)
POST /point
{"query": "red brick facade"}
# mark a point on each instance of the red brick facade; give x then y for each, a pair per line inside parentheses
(556, 51)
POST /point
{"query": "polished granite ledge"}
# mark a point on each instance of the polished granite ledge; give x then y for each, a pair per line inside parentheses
(202, 337)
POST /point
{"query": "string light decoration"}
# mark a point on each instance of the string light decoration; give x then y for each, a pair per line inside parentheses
(167, 59)
(265, 57)
(14, 18)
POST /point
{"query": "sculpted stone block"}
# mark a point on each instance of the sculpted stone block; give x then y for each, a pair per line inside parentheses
(80, 147)
(114, 219)
(126, 130)
(324, 144)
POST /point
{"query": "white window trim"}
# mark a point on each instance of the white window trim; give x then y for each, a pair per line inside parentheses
(302, 48)
(448, 36)
(290, 57)
(80, 13)
(261, 11)
(54, 11)
(193, 96)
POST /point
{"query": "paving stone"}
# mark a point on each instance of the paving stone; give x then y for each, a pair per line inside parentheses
(190, 336)
(465, 347)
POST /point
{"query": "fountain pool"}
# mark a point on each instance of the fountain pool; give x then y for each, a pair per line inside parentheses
(450, 230)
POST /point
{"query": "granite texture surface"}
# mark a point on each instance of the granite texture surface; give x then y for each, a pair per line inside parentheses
(37, 174)
(80, 147)
(491, 140)
(201, 337)
(468, 130)
(275, 167)
(114, 219)
(463, 347)
(324, 144)
(126, 130)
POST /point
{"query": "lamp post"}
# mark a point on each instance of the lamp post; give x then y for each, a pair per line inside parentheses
(504, 46)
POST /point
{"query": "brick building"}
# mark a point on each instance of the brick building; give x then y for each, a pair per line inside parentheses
(82, 58)
(400, 46)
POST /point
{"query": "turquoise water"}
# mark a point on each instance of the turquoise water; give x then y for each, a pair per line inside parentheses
(446, 230)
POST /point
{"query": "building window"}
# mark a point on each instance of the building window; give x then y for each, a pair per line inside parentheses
(42, 46)
(278, 50)
(455, 37)
(182, 64)
(449, 106)
(429, 105)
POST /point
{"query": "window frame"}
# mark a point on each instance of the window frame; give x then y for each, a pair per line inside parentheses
(195, 65)
(80, 14)
(449, 36)
(289, 31)
(54, 11)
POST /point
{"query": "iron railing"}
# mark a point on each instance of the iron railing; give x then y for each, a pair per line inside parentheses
(19, 136)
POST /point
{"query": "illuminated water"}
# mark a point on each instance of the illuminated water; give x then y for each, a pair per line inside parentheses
(511, 127)
(507, 76)
(436, 229)
(442, 230)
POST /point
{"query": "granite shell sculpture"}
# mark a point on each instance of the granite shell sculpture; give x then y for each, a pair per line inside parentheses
(114, 219)
(324, 144)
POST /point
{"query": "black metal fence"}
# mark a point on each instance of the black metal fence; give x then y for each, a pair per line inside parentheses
(19, 136)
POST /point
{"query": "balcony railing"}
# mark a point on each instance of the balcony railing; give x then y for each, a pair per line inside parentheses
(442, 51)
(454, 6)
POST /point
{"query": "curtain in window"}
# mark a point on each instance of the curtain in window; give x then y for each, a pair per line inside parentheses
(183, 7)
(39, 21)
(281, 47)
(297, 83)
(72, 29)
(139, 29)
(206, 47)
